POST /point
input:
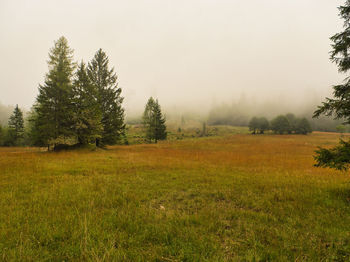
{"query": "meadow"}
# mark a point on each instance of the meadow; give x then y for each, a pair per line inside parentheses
(227, 197)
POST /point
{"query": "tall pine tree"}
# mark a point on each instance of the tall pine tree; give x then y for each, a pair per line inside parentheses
(154, 121)
(54, 105)
(109, 98)
(16, 127)
(87, 113)
(339, 106)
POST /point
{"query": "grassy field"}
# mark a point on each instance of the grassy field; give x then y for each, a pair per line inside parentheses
(222, 198)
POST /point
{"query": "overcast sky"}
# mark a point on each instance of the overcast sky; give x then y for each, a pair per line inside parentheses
(184, 52)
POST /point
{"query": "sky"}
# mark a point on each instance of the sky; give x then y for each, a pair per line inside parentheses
(187, 53)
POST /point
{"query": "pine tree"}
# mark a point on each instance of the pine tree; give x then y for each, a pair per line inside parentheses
(154, 121)
(16, 126)
(160, 127)
(2, 135)
(339, 106)
(87, 111)
(109, 98)
(54, 105)
(148, 119)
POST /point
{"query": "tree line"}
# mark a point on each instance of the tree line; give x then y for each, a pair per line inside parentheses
(78, 103)
(282, 124)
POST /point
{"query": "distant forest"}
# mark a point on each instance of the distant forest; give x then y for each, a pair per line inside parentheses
(239, 114)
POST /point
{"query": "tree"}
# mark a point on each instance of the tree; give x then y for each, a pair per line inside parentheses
(253, 125)
(87, 111)
(2, 135)
(292, 122)
(280, 125)
(109, 99)
(263, 125)
(339, 106)
(160, 127)
(337, 157)
(15, 127)
(302, 126)
(154, 121)
(54, 105)
(148, 119)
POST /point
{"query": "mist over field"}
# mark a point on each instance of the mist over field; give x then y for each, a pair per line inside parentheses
(192, 55)
(174, 130)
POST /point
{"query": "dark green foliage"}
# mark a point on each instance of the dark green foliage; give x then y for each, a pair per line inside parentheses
(15, 133)
(280, 125)
(302, 126)
(337, 157)
(108, 97)
(154, 121)
(2, 135)
(54, 105)
(292, 122)
(87, 111)
(339, 106)
(263, 125)
(36, 136)
(82, 106)
(253, 125)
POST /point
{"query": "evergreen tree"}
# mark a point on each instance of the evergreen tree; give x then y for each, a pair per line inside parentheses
(108, 97)
(339, 106)
(148, 119)
(2, 135)
(15, 127)
(54, 106)
(87, 113)
(154, 121)
(160, 127)
(36, 138)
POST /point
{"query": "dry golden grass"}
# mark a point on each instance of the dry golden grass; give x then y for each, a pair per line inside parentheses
(230, 198)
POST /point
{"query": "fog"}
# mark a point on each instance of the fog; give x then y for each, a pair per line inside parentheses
(191, 54)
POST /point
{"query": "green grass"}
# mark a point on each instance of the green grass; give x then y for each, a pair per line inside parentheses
(221, 198)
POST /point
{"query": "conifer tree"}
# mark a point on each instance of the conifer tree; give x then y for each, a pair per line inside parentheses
(160, 127)
(109, 98)
(16, 126)
(54, 105)
(148, 119)
(1, 135)
(154, 121)
(339, 106)
(87, 112)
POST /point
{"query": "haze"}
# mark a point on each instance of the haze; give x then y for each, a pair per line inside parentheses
(188, 53)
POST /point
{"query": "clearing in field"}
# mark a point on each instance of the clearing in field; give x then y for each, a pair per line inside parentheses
(231, 198)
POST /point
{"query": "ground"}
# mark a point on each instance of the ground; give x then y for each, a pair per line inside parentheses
(233, 197)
